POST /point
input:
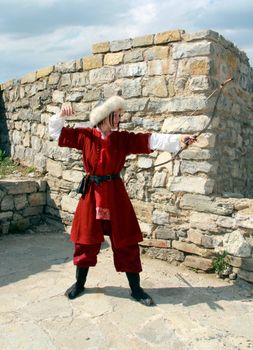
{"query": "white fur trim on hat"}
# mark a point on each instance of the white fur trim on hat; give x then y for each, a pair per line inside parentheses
(99, 113)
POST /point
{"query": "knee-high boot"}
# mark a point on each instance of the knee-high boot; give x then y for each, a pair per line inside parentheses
(137, 292)
(77, 288)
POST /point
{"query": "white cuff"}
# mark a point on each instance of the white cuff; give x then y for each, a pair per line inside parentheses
(55, 125)
(165, 142)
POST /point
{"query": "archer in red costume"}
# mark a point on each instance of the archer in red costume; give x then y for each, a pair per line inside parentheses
(105, 208)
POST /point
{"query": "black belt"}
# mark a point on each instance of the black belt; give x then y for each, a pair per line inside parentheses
(84, 184)
(99, 179)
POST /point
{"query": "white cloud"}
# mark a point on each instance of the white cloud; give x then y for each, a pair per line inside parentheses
(34, 34)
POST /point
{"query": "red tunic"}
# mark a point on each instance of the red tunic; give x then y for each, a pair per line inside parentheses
(105, 157)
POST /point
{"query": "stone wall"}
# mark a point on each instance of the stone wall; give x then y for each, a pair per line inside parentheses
(22, 204)
(166, 79)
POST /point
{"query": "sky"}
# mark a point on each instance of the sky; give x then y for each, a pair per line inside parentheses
(40, 33)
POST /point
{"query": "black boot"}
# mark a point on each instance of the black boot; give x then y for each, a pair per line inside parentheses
(137, 292)
(78, 287)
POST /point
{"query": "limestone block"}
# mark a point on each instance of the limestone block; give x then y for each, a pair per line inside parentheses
(112, 59)
(187, 124)
(36, 199)
(198, 263)
(159, 179)
(32, 211)
(53, 199)
(158, 243)
(20, 225)
(36, 144)
(75, 97)
(44, 72)
(196, 153)
(164, 232)
(19, 152)
(101, 47)
(208, 242)
(203, 221)
(92, 62)
(54, 168)
(131, 70)
(151, 124)
(244, 218)
(40, 162)
(146, 229)
(58, 96)
(161, 196)
(145, 40)
(54, 78)
(91, 95)
(131, 88)
(243, 274)
(143, 210)
(20, 186)
(7, 203)
(156, 53)
(155, 87)
(199, 84)
(194, 236)
(66, 79)
(20, 201)
(72, 175)
(192, 249)
(7, 84)
(29, 78)
(167, 254)
(227, 222)
(235, 244)
(190, 184)
(133, 56)
(4, 227)
(205, 204)
(206, 140)
(144, 162)
(179, 104)
(80, 79)
(158, 67)
(160, 217)
(102, 75)
(52, 109)
(136, 105)
(162, 158)
(200, 67)
(66, 67)
(18, 125)
(41, 130)
(69, 204)
(119, 45)
(191, 167)
(204, 34)
(243, 263)
(5, 215)
(166, 37)
(16, 137)
(185, 50)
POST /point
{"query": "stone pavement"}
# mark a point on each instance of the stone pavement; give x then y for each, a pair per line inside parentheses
(194, 311)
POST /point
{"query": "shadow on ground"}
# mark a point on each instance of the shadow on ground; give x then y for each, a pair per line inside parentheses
(186, 296)
(23, 255)
(36, 250)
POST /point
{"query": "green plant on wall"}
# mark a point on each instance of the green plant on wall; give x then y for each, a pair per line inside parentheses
(219, 263)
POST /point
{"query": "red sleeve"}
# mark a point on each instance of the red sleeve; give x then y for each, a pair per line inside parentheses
(137, 143)
(73, 137)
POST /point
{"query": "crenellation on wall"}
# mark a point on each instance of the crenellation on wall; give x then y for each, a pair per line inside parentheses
(189, 209)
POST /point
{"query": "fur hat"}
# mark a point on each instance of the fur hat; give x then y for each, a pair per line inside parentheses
(103, 110)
